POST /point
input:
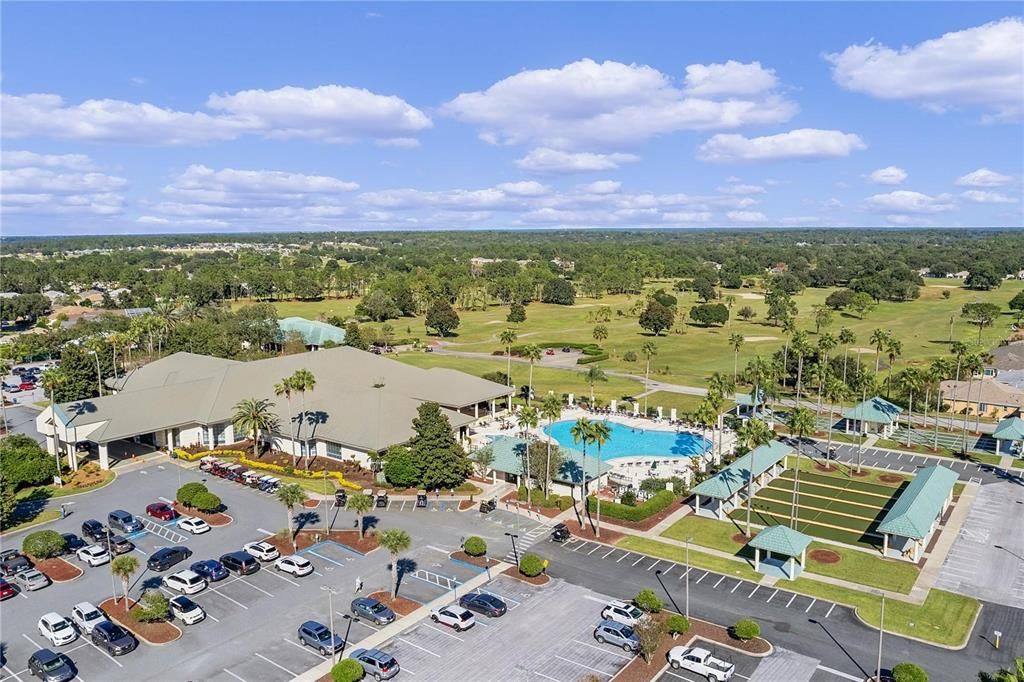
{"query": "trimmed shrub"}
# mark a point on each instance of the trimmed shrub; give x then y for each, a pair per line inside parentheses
(648, 601)
(44, 544)
(531, 565)
(564, 502)
(523, 493)
(746, 629)
(908, 672)
(628, 498)
(677, 625)
(348, 670)
(154, 607)
(206, 502)
(586, 358)
(658, 502)
(186, 494)
(474, 546)
(629, 356)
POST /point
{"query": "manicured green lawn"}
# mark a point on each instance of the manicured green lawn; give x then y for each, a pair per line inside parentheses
(685, 404)
(40, 518)
(672, 553)
(941, 452)
(50, 491)
(544, 378)
(1017, 464)
(312, 310)
(944, 618)
(844, 472)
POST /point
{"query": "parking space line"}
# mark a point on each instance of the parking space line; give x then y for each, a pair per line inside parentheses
(415, 646)
(623, 557)
(255, 587)
(15, 675)
(612, 550)
(276, 665)
(596, 547)
(540, 674)
(233, 675)
(654, 564)
(358, 622)
(278, 575)
(684, 573)
(790, 600)
(756, 587)
(443, 632)
(569, 660)
(772, 597)
(317, 554)
(706, 574)
(829, 613)
(642, 557)
(580, 546)
(303, 647)
(218, 592)
(670, 567)
(813, 602)
(500, 596)
(604, 650)
(719, 581)
(738, 583)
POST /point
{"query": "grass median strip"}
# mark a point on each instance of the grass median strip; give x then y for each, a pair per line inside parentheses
(698, 559)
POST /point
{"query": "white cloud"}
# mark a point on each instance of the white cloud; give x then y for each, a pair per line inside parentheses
(801, 144)
(544, 160)
(905, 201)
(26, 159)
(740, 188)
(29, 184)
(587, 104)
(602, 187)
(890, 175)
(261, 182)
(731, 78)
(329, 113)
(526, 188)
(979, 66)
(982, 197)
(746, 216)
(983, 177)
(685, 217)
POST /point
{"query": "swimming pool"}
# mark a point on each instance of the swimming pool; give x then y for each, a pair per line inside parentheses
(627, 441)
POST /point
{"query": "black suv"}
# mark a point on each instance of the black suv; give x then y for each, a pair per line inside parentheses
(72, 543)
(94, 530)
(13, 562)
(162, 559)
(240, 562)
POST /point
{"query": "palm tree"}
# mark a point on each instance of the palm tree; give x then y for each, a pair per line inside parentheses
(752, 433)
(291, 494)
(580, 432)
(938, 371)
(528, 418)
(599, 434)
(593, 375)
(757, 373)
(189, 310)
(394, 541)
(507, 338)
(51, 380)
(973, 365)
(847, 338)
(550, 409)
(878, 340)
(255, 416)
(959, 350)
(600, 333)
(800, 347)
(285, 388)
(736, 341)
(720, 387)
(649, 349)
(893, 349)
(1014, 674)
(359, 504)
(124, 567)
(302, 381)
(801, 422)
(707, 416)
(533, 353)
(835, 391)
(117, 341)
(911, 380)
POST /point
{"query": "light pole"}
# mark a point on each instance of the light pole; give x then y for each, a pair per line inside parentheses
(99, 379)
(344, 642)
(881, 629)
(515, 552)
(330, 606)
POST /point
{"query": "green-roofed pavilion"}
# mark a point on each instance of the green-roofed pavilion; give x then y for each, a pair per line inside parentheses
(874, 415)
(1010, 429)
(782, 546)
(315, 334)
(510, 461)
(724, 488)
(908, 525)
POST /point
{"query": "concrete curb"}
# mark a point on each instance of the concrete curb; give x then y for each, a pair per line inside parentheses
(400, 625)
(959, 647)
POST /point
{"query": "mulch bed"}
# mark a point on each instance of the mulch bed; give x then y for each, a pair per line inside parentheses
(481, 561)
(311, 503)
(466, 505)
(741, 539)
(608, 535)
(827, 469)
(308, 538)
(509, 500)
(215, 519)
(862, 473)
(400, 605)
(824, 556)
(150, 633)
(58, 570)
(891, 478)
(513, 572)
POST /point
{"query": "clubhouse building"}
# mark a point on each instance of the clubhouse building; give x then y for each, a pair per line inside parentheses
(361, 403)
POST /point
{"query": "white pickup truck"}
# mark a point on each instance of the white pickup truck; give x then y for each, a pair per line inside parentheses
(700, 661)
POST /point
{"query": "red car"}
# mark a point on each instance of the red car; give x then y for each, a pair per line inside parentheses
(27, 386)
(162, 511)
(6, 590)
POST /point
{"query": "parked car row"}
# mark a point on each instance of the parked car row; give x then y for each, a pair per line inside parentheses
(376, 663)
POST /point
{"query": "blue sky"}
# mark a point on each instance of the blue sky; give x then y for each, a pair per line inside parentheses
(185, 117)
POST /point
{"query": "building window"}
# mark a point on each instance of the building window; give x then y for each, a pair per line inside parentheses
(206, 435)
(219, 434)
(334, 450)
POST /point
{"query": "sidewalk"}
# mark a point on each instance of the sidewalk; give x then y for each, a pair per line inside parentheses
(400, 625)
(948, 535)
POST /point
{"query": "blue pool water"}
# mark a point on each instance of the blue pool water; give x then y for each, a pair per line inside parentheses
(626, 441)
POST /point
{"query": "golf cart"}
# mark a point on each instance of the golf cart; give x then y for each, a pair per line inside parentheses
(421, 498)
(340, 498)
(487, 506)
(560, 533)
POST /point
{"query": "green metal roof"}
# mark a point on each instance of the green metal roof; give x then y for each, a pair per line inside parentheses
(747, 399)
(1011, 428)
(509, 455)
(878, 410)
(919, 504)
(314, 332)
(734, 477)
(781, 540)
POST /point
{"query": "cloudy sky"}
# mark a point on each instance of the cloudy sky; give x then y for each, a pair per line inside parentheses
(188, 117)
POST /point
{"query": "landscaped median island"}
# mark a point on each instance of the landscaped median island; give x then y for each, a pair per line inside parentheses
(157, 632)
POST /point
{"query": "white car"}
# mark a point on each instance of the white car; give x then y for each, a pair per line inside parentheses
(263, 551)
(94, 555)
(294, 564)
(57, 629)
(454, 616)
(186, 610)
(186, 582)
(194, 525)
(623, 612)
(85, 616)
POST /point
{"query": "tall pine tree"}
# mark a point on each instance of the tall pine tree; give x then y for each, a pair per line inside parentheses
(442, 461)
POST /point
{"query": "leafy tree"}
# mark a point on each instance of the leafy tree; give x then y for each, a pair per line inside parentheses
(649, 631)
(206, 502)
(980, 314)
(348, 670)
(559, 291)
(746, 313)
(1017, 304)
(664, 298)
(44, 544)
(710, 314)
(984, 277)
(862, 304)
(187, 493)
(8, 504)
(822, 317)
(839, 299)
(657, 318)
(908, 672)
(24, 462)
(628, 498)
(354, 336)
(378, 306)
(442, 318)
(474, 546)
(677, 625)
(124, 567)
(648, 601)
(780, 307)
(442, 461)
(154, 607)
(394, 541)
(516, 313)
(359, 504)
(401, 468)
(705, 288)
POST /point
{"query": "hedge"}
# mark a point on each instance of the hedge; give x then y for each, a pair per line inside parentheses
(44, 544)
(677, 625)
(586, 359)
(746, 629)
(348, 670)
(474, 546)
(613, 510)
(585, 348)
(909, 672)
(647, 600)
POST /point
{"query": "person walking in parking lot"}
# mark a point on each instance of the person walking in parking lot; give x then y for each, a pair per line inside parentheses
(359, 584)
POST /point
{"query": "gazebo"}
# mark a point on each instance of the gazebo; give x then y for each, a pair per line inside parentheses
(875, 415)
(782, 545)
(747, 404)
(1009, 429)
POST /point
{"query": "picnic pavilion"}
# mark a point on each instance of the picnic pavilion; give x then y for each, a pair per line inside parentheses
(1010, 429)
(875, 415)
(782, 547)
(726, 490)
(909, 524)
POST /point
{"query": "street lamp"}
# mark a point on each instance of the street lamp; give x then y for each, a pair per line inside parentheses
(515, 552)
(344, 642)
(330, 606)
